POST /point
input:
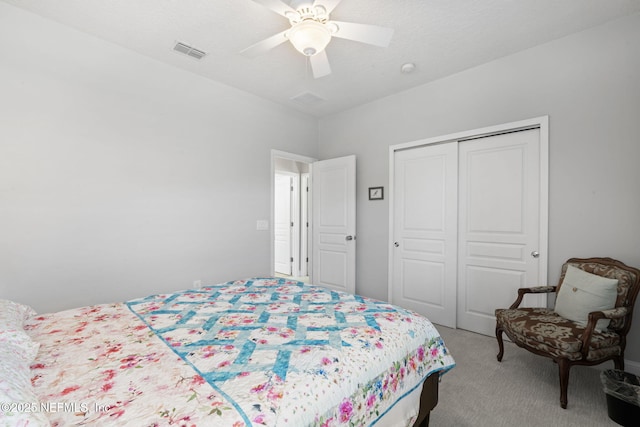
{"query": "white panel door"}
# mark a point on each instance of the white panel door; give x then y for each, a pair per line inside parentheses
(424, 235)
(334, 223)
(282, 224)
(499, 225)
(304, 224)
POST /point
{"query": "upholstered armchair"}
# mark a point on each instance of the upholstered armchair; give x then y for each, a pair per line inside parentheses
(590, 320)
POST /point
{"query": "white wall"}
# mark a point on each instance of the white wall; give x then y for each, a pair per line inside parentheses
(587, 83)
(121, 176)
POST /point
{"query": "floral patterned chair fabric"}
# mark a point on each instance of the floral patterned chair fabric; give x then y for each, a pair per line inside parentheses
(542, 331)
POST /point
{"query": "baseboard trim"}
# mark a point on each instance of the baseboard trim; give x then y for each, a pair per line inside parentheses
(630, 366)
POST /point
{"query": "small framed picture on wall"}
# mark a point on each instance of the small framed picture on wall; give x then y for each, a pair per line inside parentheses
(376, 193)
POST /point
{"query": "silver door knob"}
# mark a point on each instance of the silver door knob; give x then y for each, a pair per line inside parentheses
(535, 254)
(396, 244)
(348, 238)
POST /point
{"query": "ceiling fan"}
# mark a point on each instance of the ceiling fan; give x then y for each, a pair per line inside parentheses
(311, 31)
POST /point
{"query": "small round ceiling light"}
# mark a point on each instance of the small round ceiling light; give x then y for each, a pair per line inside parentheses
(408, 68)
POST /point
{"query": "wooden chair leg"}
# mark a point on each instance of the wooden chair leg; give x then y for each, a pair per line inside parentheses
(563, 367)
(618, 363)
(500, 344)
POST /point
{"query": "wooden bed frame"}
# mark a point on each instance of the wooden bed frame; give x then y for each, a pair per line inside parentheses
(428, 399)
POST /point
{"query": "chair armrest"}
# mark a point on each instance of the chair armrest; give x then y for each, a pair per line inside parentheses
(612, 313)
(532, 290)
(594, 316)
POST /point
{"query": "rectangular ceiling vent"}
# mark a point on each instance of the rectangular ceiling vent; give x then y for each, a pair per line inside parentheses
(189, 50)
(307, 98)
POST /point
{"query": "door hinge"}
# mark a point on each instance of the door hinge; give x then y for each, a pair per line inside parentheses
(292, 223)
(291, 259)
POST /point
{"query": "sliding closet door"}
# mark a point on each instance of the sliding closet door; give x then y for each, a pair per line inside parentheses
(469, 222)
(498, 224)
(425, 220)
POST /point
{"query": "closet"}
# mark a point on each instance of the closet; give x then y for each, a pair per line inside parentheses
(469, 222)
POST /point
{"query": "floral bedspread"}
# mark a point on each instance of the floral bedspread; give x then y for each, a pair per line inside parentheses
(253, 352)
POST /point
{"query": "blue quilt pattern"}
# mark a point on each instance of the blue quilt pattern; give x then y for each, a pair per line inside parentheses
(286, 353)
(266, 317)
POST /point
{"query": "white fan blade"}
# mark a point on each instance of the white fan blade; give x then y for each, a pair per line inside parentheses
(320, 64)
(329, 5)
(364, 33)
(264, 45)
(277, 6)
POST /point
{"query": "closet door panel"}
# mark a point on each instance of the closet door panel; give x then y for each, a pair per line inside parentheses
(424, 252)
(498, 224)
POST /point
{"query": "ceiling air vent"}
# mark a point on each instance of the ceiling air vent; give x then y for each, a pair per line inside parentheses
(189, 50)
(307, 98)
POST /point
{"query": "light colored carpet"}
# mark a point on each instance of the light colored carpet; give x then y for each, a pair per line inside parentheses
(523, 390)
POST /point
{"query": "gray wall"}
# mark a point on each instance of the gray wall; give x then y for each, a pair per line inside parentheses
(121, 176)
(587, 83)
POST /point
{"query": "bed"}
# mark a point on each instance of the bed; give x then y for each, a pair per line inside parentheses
(255, 352)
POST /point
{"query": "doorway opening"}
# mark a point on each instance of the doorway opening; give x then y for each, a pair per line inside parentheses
(291, 196)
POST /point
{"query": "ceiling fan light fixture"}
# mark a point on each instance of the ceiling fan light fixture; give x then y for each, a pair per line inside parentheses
(309, 37)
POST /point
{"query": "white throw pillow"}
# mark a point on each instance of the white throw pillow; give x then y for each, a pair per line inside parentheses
(582, 292)
(20, 404)
(13, 338)
(13, 314)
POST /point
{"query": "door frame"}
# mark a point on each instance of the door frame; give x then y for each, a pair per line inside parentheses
(277, 154)
(541, 122)
(305, 220)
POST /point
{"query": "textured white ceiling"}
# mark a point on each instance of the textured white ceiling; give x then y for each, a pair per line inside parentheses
(441, 37)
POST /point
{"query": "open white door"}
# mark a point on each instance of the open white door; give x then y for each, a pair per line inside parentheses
(282, 224)
(334, 223)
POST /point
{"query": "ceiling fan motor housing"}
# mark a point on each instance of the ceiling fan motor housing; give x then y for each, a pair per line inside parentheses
(304, 12)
